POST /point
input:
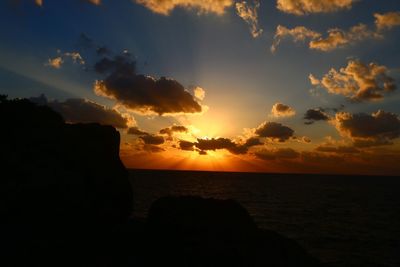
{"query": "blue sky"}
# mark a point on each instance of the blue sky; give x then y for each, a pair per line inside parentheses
(241, 77)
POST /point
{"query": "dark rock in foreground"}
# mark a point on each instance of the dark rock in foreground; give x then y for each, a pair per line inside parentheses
(66, 201)
(192, 231)
(62, 185)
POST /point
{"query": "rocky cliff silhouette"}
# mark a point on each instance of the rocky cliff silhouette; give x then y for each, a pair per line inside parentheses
(67, 201)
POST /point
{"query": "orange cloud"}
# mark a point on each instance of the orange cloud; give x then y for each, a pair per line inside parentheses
(282, 110)
(299, 34)
(250, 15)
(358, 81)
(165, 7)
(305, 7)
(387, 20)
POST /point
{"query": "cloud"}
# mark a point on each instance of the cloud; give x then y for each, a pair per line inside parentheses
(337, 38)
(165, 7)
(299, 34)
(250, 15)
(55, 63)
(204, 145)
(173, 129)
(94, 2)
(78, 110)
(358, 81)
(387, 21)
(41, 2)
(58, 61)
(152, 139)
(281, 110)
(274, 131)
(199, 93)
(305, 7)
(337, 149)
(220, 143)
(136, 131)
(186, 145)
(139, 92)
(277, 154)
(378, 128)
(316, 114)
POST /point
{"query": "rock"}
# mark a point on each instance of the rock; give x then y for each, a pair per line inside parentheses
(192, 231)
(63, 186)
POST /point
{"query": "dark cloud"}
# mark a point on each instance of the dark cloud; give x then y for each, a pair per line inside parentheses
(173, 129)
(103, 51)
(277, 154)
(203, 145)
(140, 92)
(317, 114)
(274, 131)
(186, 145)
(253, 141)
(78, 110)
(152, 139)
(136, 131)
(378, 128)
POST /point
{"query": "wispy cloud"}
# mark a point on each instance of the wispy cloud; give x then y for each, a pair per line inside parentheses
(250, 15)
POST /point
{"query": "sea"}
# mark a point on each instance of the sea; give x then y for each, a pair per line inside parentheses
(341, 220)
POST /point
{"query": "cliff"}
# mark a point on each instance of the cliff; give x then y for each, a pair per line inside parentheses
(67, 201)
(62, 185)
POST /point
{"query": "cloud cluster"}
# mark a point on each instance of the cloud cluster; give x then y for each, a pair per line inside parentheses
(165, 7)
(335, 37)
(136, 131)
(140, 92)
(358, 81)
(250, 15)
(40, 2)
(204, 145)
(58, 61)
(316, 114)
(152, 139)
(282, 110)
(387, 21)
(378, 128)
(78, 110)
(299, 34)
(174, 129)
(305, 7)
(274, 131)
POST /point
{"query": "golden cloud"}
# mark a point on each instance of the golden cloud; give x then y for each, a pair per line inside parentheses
(165, 7)
(199, 93)
(299, 34)
(250, 15)
(282, 110)
(358, 81)
(387, 20)
(305, 7)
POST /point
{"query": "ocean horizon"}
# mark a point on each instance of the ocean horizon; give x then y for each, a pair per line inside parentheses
(342, 220)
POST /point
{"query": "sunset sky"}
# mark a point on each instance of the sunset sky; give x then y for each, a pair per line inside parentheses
(223, 85)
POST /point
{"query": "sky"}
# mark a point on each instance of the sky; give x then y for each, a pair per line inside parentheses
(298, 86)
